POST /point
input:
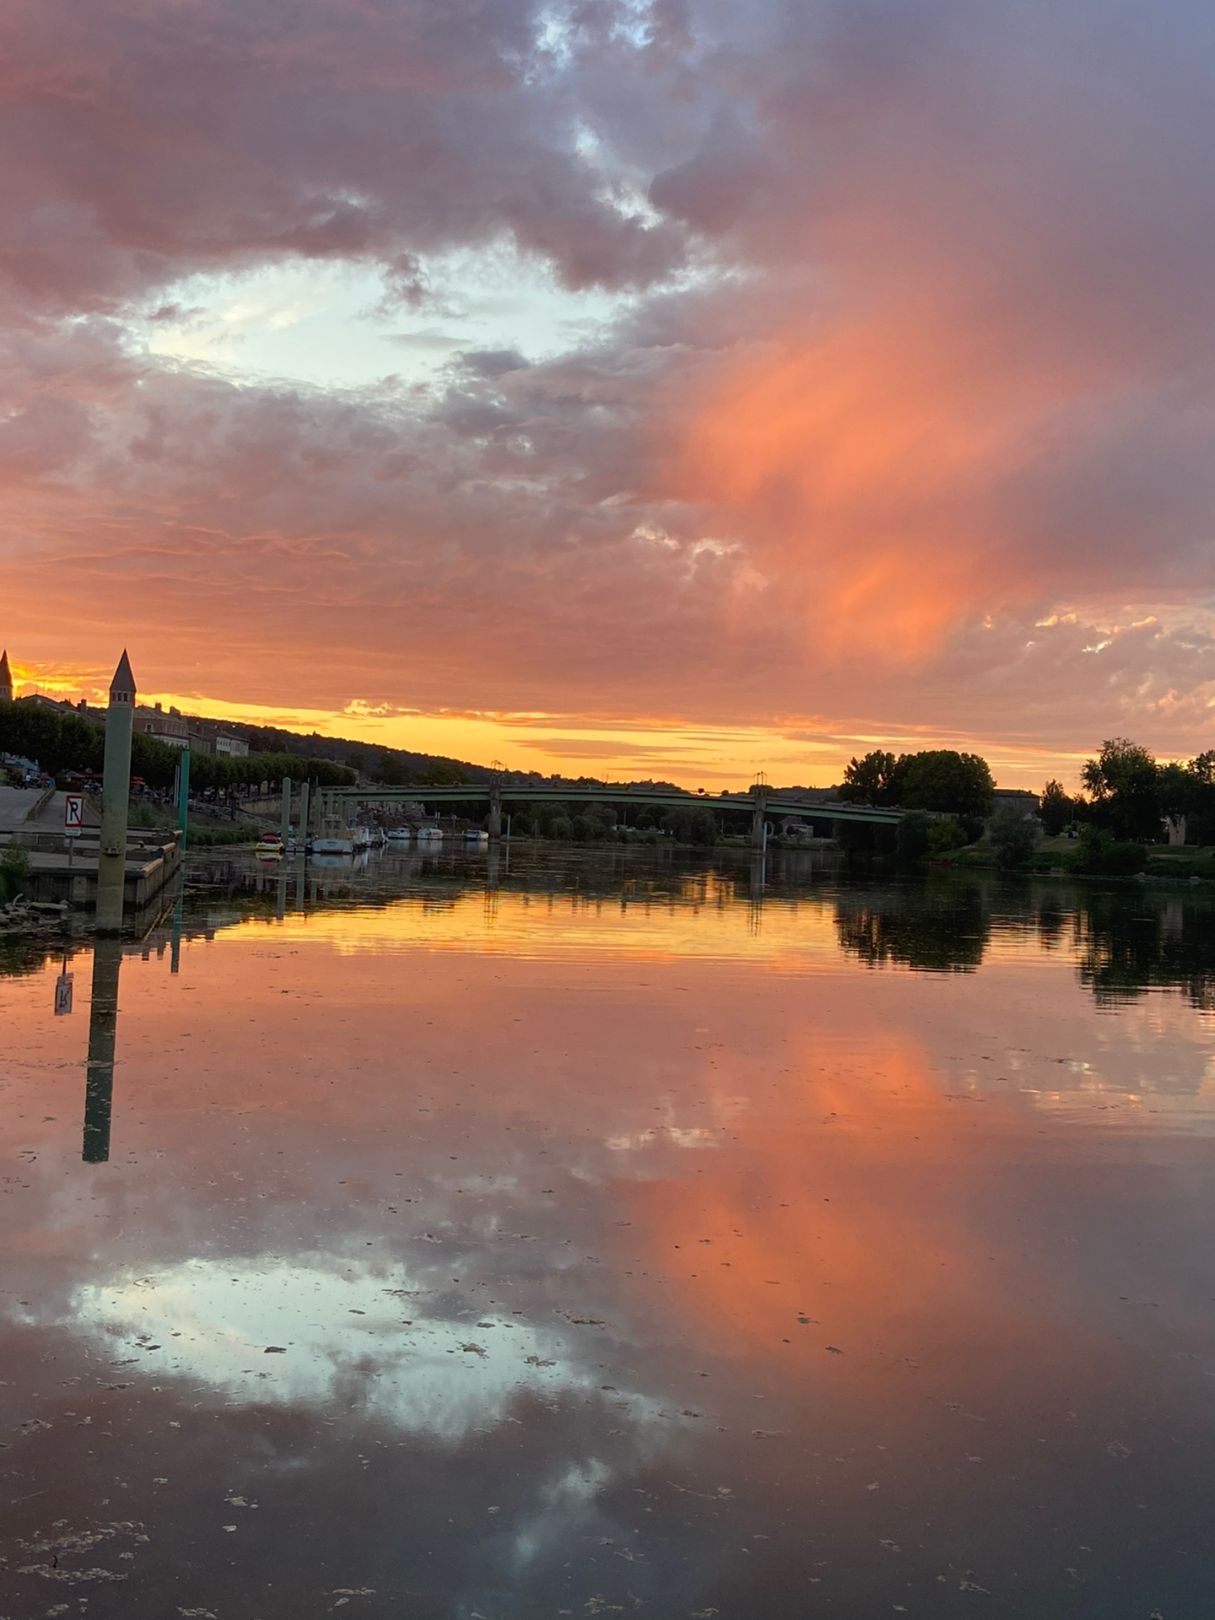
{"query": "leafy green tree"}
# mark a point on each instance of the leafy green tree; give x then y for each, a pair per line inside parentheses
(1200, 819)
(591, 826)
(944, 779)
(692, 825)
(913, 838)
(1056, 809)
(946, 833)
(14, 872)
(1100, 854)
(870, 780)
(1013, 836)
(1179, 793)
(390, 769)
(1123, 784)
(443, 773)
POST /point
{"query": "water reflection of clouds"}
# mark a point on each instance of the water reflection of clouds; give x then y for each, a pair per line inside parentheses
(298, 1333)
(689, 1169)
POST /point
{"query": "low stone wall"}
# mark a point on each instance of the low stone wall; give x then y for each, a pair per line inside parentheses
(54, 877)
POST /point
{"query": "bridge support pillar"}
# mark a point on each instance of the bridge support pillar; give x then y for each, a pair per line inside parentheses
(495, 813)
(305, 793)
(759, 826)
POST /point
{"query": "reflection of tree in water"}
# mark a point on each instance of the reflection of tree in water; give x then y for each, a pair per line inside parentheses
(19, 957)
(1131, 944)
(1052, 920)
(937, 928)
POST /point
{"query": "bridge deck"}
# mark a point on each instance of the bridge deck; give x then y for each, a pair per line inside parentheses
(482, 792)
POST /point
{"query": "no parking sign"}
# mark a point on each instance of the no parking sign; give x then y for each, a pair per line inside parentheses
(63, 994)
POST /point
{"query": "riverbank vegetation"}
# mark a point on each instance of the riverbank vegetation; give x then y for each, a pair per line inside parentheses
(64, 742)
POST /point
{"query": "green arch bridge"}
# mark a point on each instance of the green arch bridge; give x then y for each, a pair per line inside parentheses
(759, 804)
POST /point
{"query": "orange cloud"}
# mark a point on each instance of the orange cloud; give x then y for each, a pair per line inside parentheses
(861, 460)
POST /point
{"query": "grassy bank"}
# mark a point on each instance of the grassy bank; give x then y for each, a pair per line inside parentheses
(1063, 857)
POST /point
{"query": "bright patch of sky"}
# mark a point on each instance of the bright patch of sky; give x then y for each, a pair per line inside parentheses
(327, 324)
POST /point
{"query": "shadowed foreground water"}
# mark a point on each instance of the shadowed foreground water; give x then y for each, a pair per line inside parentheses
(595, 1237)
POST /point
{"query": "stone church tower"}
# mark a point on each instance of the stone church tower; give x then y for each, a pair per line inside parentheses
(6, 679)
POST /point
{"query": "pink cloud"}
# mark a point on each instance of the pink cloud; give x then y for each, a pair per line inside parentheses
(945, 366)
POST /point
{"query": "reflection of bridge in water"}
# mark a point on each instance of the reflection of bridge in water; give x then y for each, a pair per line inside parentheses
(1121, 950)
(759, 804)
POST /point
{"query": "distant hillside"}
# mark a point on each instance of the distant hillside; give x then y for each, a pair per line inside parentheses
(373, 762)
(400, 767)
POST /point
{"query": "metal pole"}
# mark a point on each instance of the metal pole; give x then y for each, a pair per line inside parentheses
(183, 796)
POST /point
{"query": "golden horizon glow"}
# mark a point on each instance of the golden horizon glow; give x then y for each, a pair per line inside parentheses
(676, 750)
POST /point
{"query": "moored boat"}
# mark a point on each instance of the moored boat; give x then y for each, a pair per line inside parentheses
(337, 844)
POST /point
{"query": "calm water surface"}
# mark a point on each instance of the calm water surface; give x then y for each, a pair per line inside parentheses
(594, 1236)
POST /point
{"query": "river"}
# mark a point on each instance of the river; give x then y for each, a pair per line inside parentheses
(492, 1237)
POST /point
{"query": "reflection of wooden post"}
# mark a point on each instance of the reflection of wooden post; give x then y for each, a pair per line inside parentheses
(175, 946)
(103, 1030)
(115, 796)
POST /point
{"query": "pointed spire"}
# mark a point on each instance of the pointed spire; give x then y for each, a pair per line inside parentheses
(6, 677)
(123, 684)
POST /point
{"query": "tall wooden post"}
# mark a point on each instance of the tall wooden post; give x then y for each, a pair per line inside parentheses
(285, 824)
(115, 798)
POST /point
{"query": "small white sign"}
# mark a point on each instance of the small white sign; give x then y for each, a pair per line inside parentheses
(63, 994)
(73, 812)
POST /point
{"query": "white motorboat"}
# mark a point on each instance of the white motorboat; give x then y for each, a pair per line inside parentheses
(430, 835)
(476, 836)
(399, 835)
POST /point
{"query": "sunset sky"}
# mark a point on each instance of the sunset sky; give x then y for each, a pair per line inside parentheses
(669, 388)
